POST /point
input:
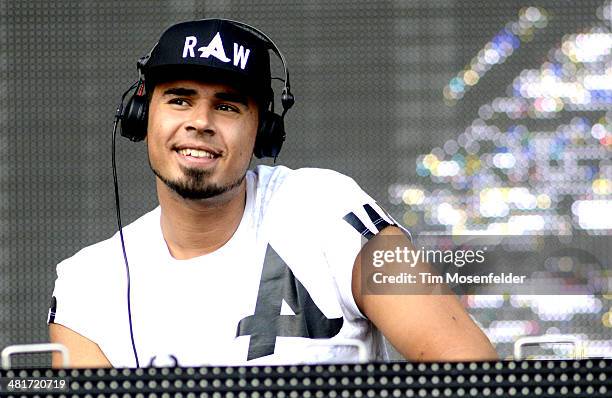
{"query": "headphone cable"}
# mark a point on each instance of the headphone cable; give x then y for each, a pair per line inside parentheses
(118, 116)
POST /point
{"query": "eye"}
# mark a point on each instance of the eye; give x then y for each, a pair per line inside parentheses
(228, 108)
(178, 101)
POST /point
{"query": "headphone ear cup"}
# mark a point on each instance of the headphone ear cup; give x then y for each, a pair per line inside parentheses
(270, 136)
(134, 118)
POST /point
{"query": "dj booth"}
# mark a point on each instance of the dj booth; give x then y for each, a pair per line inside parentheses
(564, 378)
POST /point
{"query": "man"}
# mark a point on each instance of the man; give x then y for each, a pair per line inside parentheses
(238, 266)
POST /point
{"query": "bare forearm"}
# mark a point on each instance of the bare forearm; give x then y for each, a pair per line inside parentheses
(83, 353)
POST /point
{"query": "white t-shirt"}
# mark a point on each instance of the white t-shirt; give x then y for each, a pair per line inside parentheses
(278, 287)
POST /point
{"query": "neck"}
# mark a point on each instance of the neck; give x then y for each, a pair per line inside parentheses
(193, 228)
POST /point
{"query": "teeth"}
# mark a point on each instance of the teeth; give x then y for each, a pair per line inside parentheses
(196, 153)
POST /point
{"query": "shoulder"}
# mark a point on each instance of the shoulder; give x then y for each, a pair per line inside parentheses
(88, 260)
(269, 174)
(101, 258)
(307, 197)
(311, 181)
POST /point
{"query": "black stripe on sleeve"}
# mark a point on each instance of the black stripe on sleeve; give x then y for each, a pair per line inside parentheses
(379, 222)
(52, 309)
(356, 223)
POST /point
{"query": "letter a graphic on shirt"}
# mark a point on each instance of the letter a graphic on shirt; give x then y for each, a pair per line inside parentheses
(214, 48)
(278, 285)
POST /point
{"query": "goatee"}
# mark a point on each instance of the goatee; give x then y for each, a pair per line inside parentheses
(194, 185)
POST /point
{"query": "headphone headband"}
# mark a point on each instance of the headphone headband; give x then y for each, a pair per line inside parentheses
(272, 46)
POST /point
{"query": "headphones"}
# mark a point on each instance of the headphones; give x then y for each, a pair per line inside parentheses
(270, 132)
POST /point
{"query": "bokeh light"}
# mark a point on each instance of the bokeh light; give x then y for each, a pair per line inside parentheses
(496, 51)
(536, 159)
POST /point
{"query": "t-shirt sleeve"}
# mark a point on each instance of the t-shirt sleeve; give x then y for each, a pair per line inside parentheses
(75, 297)
(345, 217)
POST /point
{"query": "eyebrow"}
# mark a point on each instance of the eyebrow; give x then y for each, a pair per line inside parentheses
(187, 92)
(222, 95)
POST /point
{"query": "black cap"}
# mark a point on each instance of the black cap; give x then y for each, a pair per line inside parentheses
(211, 50)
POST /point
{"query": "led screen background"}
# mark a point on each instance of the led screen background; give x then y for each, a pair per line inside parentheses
(455, 116)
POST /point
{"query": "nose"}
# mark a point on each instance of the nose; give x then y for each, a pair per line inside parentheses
(200, 121)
